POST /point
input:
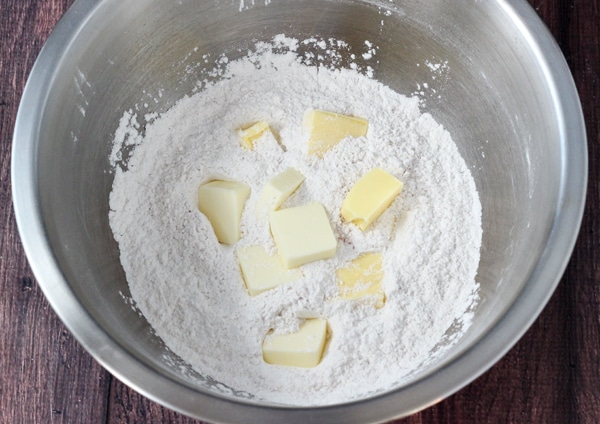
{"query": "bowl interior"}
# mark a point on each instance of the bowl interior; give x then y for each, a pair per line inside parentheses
(477, 74)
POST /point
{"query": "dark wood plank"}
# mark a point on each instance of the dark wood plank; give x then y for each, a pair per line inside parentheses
(45, 376)
(582, 49)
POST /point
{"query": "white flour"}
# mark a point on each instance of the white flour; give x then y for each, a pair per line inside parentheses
(189, 287)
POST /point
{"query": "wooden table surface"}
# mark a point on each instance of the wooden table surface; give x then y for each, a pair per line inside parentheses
(551, 376)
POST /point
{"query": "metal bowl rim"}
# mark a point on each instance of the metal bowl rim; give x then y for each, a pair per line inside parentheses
(205, 405)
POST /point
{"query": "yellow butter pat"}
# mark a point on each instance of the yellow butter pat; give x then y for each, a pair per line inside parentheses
(279, 188)
(370, 197)
(262, 271)
(250, 134)
(303, 234)
(222, 202)
(301, 349)
(362, 279)
(327, 129)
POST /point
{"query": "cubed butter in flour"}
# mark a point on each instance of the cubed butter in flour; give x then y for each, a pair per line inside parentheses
(262, 271)
(222, 202)
(327, 129)
(301, 349)
(370, 197)
(249, 135)
(303, 234)
(279, 188)
(362, 279)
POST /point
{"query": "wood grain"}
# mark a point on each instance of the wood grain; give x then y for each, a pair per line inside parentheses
(551, 376)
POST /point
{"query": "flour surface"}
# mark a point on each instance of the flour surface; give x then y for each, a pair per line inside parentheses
(189, 287)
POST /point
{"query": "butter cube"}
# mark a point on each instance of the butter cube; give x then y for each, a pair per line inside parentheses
(370, 197)
(327, 129)
(223, 202)
(303, 234)
(252, 133)
(362, 279)
(301, 349)
(262, 271)
(279, 188)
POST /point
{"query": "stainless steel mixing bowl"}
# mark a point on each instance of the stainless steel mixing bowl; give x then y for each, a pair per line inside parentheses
(507, 98)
